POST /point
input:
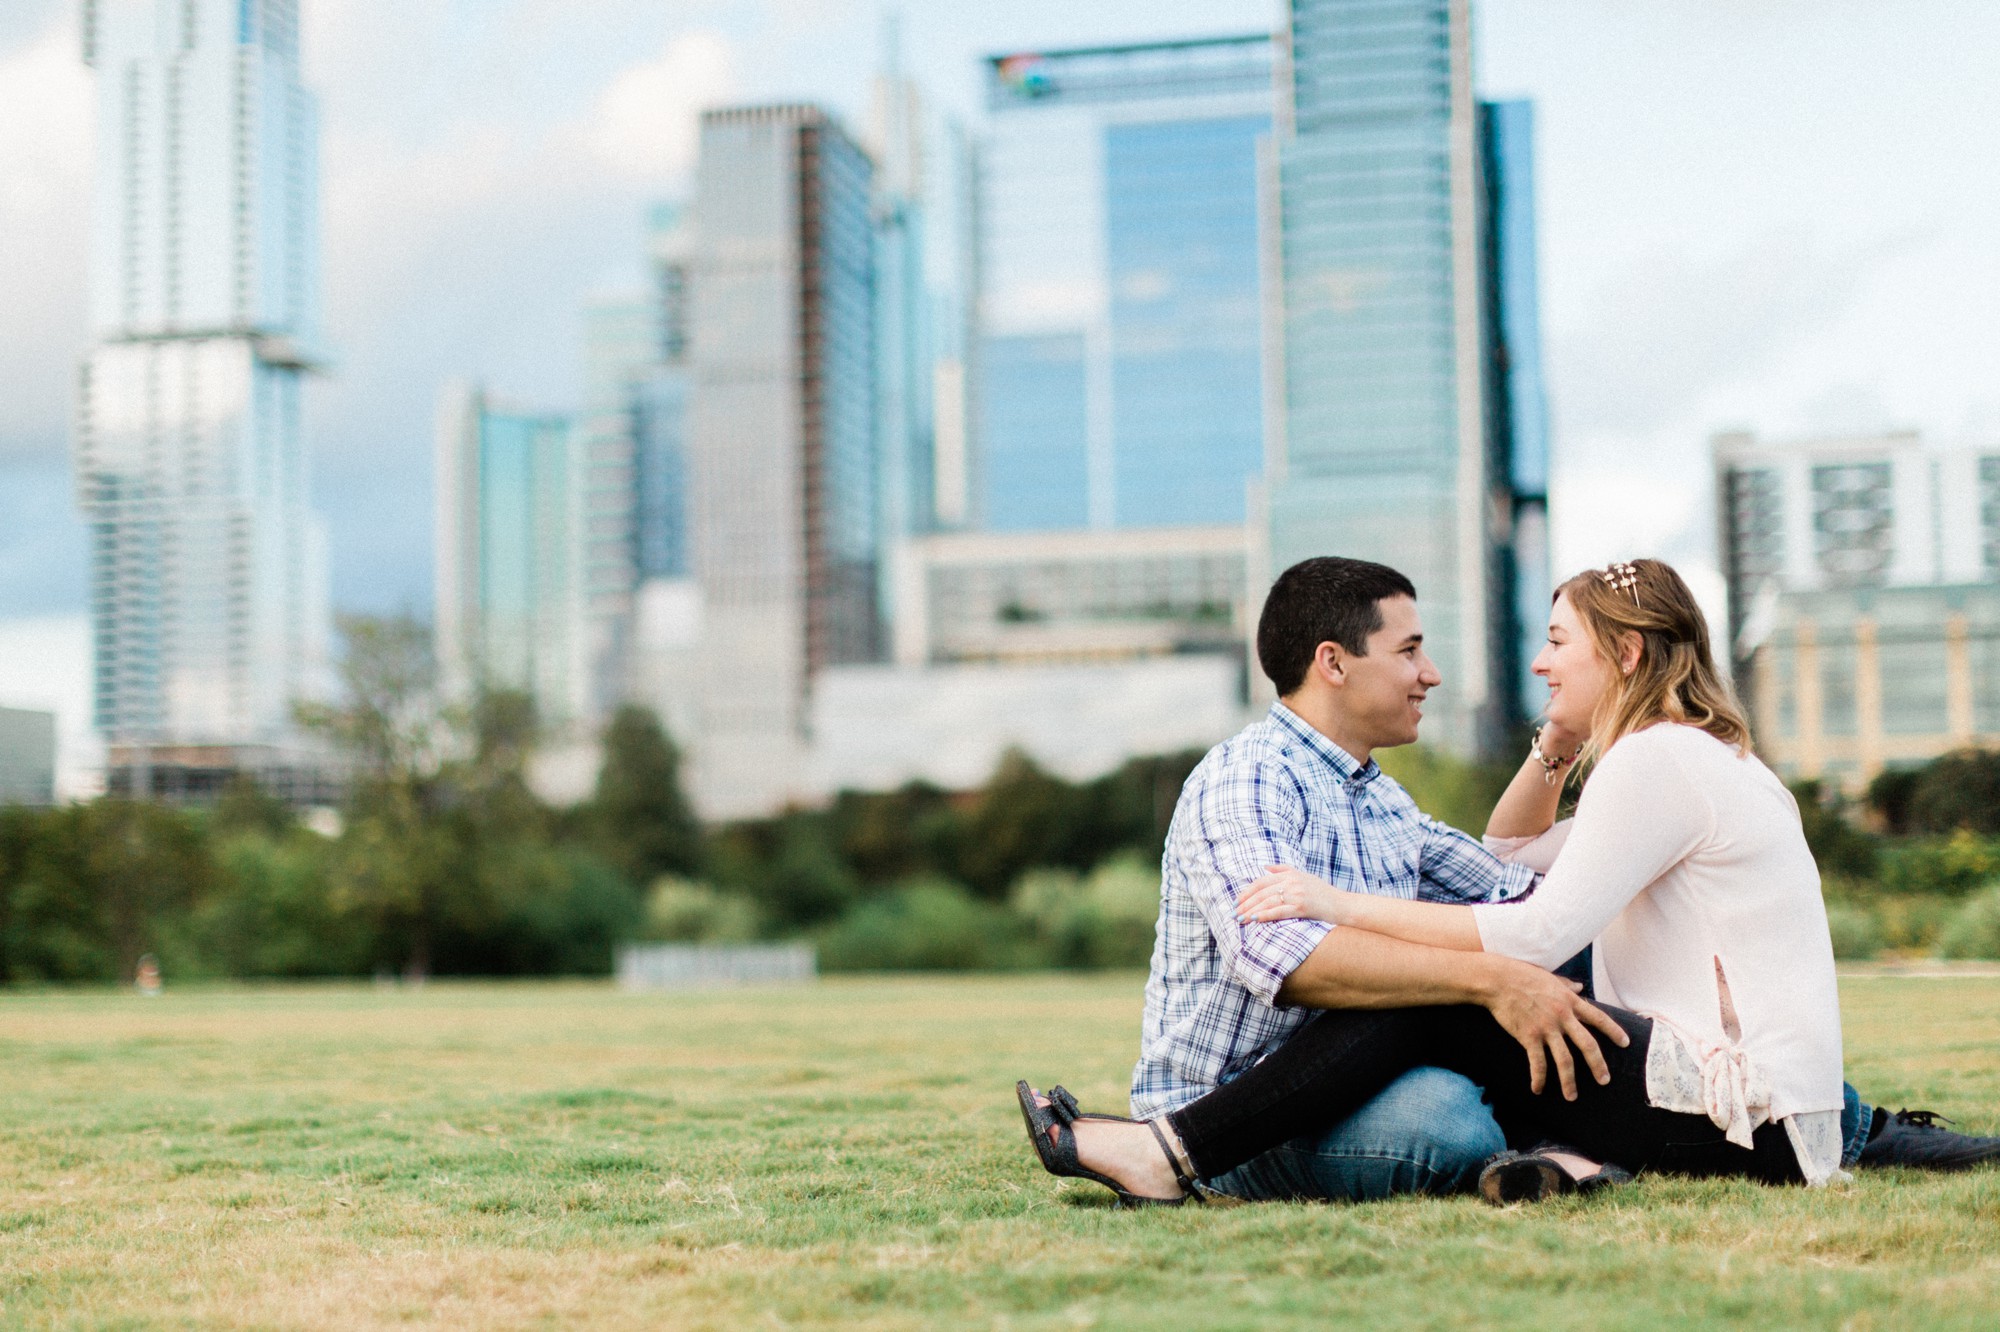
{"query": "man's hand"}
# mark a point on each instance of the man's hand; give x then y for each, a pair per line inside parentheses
(1547, 1015)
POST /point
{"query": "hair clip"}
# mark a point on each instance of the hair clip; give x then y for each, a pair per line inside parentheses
(1622, 577)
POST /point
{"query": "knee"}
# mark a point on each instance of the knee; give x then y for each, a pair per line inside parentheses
(1448, 1117)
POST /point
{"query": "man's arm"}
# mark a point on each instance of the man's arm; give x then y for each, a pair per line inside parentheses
(1352, 968)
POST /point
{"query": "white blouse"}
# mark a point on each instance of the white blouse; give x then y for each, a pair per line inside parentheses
(1687, 868)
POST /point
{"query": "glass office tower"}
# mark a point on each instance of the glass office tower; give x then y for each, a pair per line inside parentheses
(208, 594)
(512, 574)
(781, 444)
(1118, 373)
(1412, 418)
(1518, 416)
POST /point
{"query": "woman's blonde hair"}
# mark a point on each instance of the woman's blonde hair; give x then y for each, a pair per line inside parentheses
(1676, 679)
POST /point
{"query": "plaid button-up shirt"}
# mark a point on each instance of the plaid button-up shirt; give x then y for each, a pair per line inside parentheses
(1277, 793)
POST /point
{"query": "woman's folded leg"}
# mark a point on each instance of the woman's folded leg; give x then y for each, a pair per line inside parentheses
(1343, 1057)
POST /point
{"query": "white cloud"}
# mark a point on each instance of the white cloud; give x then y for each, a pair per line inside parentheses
(644, 124)
(47, 109)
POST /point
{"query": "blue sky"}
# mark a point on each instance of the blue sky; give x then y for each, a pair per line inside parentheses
(1775, 215)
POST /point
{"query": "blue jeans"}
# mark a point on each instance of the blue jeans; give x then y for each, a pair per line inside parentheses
(1429, 1131)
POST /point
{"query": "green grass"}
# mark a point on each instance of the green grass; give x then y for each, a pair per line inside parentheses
(842, 1154)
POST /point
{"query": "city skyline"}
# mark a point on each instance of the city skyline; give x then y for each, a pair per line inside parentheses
(1781, 353)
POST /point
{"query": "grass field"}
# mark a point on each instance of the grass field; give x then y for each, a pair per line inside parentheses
(843, 1154)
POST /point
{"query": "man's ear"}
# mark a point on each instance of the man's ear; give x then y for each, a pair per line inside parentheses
(1330, 663)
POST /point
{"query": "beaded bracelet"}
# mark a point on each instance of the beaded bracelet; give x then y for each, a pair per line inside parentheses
(1552, 766)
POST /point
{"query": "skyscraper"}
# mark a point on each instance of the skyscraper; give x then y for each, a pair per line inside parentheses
(208, 575)
(511, 600)
(1411, 419)
(1864, 598)
(1517, 395)
(923, 300)
(1119, 372)
(782, 472)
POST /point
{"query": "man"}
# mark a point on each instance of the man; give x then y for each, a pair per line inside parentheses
(1342, 642)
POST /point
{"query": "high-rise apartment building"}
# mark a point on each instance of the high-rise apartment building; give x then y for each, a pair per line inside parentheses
(1864, 597)
(1118, 370)
(1410, 429)
(208, 601)
(782, 470)
(512, 598)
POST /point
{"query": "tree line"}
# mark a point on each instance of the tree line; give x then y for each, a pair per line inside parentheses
(446, 861)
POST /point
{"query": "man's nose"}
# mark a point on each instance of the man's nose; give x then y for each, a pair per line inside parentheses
(1427, 673)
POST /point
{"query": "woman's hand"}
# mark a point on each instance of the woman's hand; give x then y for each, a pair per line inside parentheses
(1555, 742)
(1285, 893)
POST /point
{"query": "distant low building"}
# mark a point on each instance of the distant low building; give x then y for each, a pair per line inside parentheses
(1864, 589)
(1048, 597)
(878, 727)
(27, 757)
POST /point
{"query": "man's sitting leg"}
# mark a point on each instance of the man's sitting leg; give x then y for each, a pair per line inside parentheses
(1427, 1132)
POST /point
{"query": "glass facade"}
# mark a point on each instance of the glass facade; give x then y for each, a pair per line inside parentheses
(1414, 407)
(659, 481)
(528, 583)
(1186, 363)
(1036, 464)
(208, 595)
(1119, 373)
(1518, 413)
(843, 611)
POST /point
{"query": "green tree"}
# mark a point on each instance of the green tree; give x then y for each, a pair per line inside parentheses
(100, 885)
(1836, 844)
(1025, 817)
(1958, 790)
(639, 819)
(408, 862)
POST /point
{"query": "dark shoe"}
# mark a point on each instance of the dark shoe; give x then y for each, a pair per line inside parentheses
(1048, 1119)
(1512, 1177)
(1913, 1139)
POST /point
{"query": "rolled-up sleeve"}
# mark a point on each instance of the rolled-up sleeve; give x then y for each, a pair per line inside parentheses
(1452, 867)
(1250, 820)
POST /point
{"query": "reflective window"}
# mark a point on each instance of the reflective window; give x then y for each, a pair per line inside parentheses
(1913, 685)
(1837, 704)
(1033, 455)
(1181, 216)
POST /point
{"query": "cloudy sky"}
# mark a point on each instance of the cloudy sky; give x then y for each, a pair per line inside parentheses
(1776, 214)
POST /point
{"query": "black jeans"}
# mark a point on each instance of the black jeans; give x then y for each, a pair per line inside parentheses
(1342, 1057)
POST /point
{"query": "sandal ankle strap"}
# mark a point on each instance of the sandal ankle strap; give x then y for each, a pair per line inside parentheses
(1176, 1154)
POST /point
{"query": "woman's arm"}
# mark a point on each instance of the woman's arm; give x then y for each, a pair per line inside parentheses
(1285, 893)
(1639, 817)
(1527, 807)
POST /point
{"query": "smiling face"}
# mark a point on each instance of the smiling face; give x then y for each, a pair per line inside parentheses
(1383, 693)
(1577, 674)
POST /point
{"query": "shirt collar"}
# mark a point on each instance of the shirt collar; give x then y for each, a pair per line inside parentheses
(1343, 763)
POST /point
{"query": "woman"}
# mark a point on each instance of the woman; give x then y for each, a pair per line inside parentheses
(1685, 866)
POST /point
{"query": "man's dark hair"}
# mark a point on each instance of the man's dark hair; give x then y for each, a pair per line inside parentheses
(1326, 599)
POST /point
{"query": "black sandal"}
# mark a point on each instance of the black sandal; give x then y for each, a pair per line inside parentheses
(1047, 1116)
(1512, 1177)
